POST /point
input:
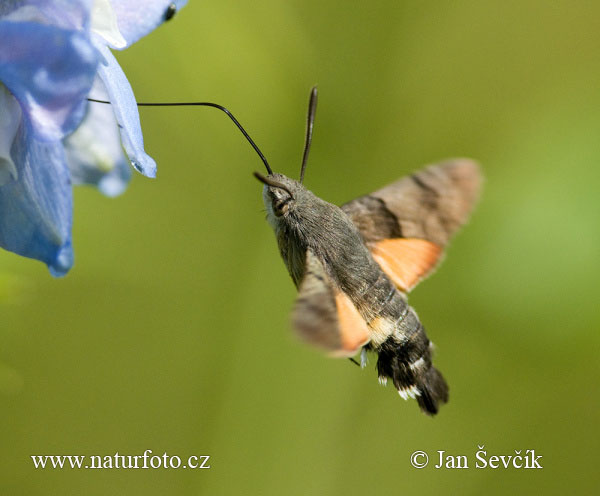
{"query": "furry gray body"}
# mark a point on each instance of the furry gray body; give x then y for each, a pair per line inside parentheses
(310, 224)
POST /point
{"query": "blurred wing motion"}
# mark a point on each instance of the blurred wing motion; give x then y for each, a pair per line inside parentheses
(324, 316)
(407, 224)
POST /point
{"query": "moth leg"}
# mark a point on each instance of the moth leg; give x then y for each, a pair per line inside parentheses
(363, 358)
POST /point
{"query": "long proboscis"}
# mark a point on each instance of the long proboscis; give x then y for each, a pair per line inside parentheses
(203, 104)
(272, 182)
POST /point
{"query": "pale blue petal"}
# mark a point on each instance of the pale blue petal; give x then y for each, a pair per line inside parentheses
(7, 6)
(50, 72)
(126, 111)
(104, 25)
(10, 120)
(94, 151)
(115, 182)
(66, 14)
(137, 18)
(37, 207)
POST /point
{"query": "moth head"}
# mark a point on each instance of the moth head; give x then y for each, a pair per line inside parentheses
(280, 193)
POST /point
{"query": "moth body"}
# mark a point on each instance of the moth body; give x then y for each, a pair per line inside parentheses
(353, 266)
(318, 240)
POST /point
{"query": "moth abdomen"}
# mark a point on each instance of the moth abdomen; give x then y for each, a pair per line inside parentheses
(434, 390)
(405, 358)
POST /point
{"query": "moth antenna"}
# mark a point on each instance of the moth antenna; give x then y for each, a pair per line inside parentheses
(271, 182)
(354, 361)
(202, 104)
(310, 119)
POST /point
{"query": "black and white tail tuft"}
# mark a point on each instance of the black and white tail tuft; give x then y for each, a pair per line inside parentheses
(408, 365)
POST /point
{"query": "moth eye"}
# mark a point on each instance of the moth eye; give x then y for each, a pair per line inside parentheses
(280, 204)
(170, 12)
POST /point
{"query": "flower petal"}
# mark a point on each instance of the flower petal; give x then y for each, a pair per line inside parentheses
(136, 18)
(50, 71)
(104, 24)
(94, 151)
(66, 14)
(10, 118)
(37, 207)
(126, 111)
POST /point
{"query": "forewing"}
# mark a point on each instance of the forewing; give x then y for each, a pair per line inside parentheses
(324, 316)
(407, 224)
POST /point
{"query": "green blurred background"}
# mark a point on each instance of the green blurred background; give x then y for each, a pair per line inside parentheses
(171, 332)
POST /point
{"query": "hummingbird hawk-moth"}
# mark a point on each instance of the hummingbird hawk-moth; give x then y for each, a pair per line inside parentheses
(354, 265)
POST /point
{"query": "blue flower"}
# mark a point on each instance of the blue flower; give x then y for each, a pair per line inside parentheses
(54, 54)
